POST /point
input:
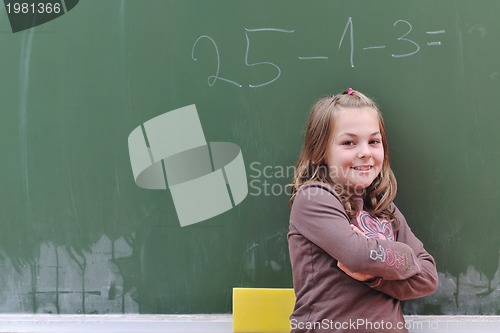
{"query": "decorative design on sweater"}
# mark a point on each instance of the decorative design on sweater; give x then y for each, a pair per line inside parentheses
(373, 227)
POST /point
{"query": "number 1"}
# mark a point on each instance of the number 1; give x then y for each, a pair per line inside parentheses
(351, 35)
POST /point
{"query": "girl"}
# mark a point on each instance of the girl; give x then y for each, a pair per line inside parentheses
(354, 257)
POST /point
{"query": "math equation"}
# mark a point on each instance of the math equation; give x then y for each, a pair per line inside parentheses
(346, 40)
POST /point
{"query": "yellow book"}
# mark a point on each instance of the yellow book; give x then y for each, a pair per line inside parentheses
(262, 309)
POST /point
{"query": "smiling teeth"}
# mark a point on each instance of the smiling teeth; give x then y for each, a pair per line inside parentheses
(363, 168)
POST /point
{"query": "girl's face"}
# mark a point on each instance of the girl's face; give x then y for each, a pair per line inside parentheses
(356, 154)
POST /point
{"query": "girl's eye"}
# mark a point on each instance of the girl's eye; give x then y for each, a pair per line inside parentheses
(348, 143)
(375, 142)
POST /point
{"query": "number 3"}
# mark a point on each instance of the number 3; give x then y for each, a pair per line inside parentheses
(403, 37)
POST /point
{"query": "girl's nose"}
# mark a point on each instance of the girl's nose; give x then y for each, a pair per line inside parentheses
(364, 152)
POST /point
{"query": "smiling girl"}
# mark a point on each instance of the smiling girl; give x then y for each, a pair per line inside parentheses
(354, 257)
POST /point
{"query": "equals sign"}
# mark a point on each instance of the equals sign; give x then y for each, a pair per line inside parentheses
(437, 32)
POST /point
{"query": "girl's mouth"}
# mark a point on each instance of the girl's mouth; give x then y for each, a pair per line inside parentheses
(362, 167)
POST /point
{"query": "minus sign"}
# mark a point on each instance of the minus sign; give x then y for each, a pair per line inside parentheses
(434, 43)
(374, 47)
(313, 58)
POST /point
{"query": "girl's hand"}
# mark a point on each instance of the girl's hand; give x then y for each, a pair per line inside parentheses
(357, 276)
(356, 230)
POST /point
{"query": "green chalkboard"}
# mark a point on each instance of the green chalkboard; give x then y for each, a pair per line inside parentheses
(79, 235)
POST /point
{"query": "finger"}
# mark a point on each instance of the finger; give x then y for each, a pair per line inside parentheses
(356, 229)
(341, 266)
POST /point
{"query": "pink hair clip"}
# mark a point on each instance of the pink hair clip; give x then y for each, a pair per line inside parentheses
(350, 91)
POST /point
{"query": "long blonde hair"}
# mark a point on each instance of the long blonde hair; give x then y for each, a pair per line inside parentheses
(311, 165)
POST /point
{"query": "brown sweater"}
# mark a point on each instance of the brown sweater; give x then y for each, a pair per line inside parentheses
(327, 299)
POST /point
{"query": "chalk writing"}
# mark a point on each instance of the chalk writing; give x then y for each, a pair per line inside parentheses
(406, 40)
(212, 78)
(374, 47)
(437, 32)
(247, 31)
(403, 38)
(351, 38)
(314, 58)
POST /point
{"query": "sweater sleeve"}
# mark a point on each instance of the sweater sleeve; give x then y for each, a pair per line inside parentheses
(421, 284)
(318, 214)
